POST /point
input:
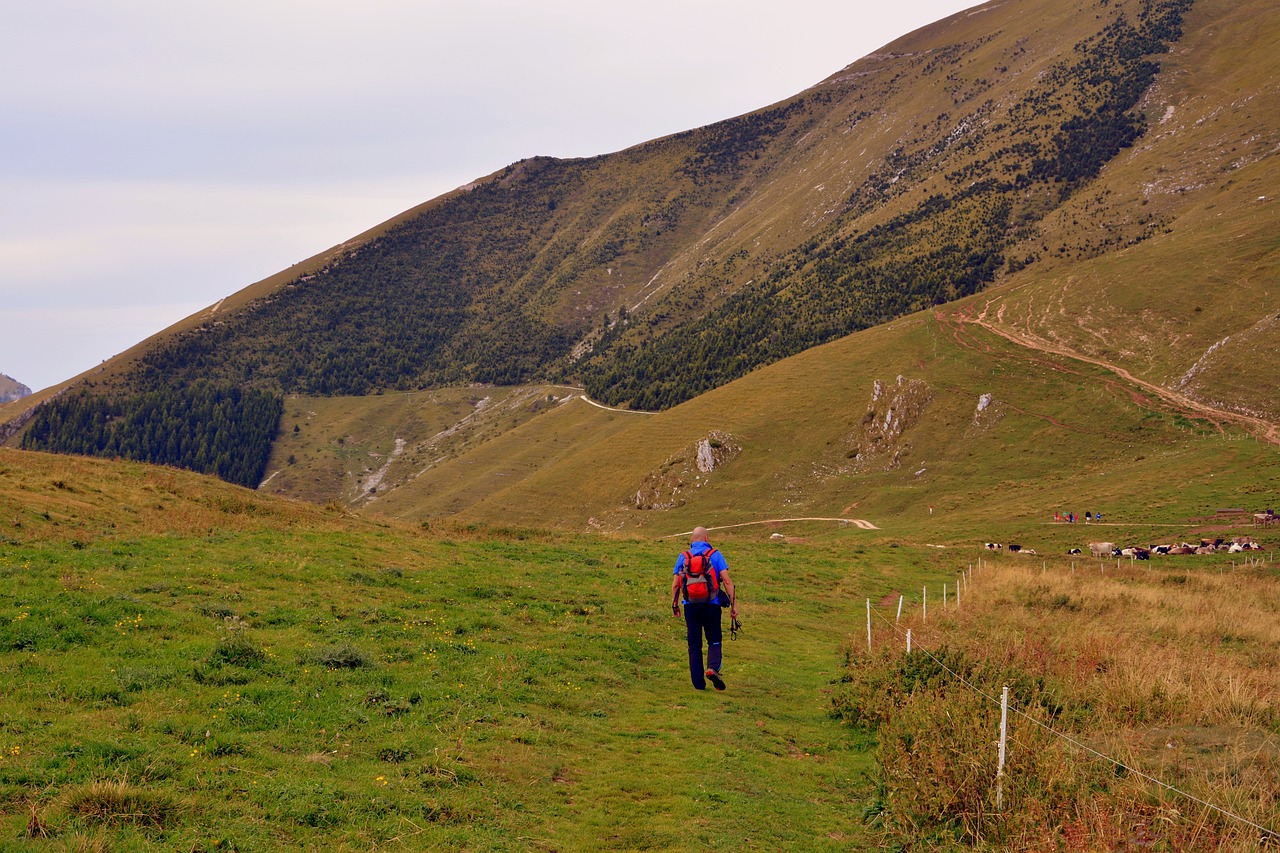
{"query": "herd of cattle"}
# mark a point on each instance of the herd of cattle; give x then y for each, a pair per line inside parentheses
(1109, 549)
(1206, 546)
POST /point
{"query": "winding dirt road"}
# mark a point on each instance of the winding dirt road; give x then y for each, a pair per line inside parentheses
(584, 398)
(856, 522)
(1263, 429)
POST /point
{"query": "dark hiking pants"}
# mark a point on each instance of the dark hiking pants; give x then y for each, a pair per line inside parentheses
(702, 619)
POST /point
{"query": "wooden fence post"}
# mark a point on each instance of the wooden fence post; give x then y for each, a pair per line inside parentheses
(1004, 734)
(868, 625)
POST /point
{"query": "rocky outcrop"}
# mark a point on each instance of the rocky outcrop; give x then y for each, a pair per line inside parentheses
(11, 389)
(879, 441)
(689, 469)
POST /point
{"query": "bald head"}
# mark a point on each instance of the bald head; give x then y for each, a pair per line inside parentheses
(699, 535)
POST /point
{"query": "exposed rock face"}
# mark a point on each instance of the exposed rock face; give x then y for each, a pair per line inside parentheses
(11, 389)
(878, 442)
(687, 470)
(987, 412)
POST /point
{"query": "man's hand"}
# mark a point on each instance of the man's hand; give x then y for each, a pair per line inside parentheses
(675, 608)
(733, 613)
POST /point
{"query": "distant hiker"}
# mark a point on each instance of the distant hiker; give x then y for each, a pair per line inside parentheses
(1087, 516)
(701, 581)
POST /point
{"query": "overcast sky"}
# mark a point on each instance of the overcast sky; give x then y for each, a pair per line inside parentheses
(156, 156)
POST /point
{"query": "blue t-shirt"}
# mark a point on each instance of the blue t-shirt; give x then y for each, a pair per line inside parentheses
(718, 561)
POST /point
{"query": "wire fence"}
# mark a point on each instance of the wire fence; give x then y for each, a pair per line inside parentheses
(1267, 835)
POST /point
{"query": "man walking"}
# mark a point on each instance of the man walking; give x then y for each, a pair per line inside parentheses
(701, 572)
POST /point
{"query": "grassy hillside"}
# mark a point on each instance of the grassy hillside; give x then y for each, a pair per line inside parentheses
(237, 672)
(809, 439)
(190, 665)
(1192, 306)
(357, 449)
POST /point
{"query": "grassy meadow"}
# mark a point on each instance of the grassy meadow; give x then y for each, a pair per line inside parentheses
(265, 675)
(189, 665)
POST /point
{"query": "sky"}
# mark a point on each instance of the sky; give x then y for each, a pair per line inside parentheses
(157, 156)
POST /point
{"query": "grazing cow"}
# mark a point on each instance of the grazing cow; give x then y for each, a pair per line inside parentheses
(1136, 553)
(1181, 550)
(1015, 548)
(993, 546)
(1101, 549)
(1074, 552)
(1160, 549)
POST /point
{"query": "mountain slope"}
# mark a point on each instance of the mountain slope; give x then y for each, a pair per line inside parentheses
(974, 137)
(978, 153)
(11, 389)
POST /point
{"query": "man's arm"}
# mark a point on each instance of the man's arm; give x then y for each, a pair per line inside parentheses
(727, 583)
(676, 588)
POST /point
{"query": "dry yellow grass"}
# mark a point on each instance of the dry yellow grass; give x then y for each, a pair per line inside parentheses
(1171, 670)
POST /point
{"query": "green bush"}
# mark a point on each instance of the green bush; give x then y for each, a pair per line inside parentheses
(343, 656)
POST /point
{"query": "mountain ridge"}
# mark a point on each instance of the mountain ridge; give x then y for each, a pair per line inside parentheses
(944, 194)
(574, 223)
(11, 389)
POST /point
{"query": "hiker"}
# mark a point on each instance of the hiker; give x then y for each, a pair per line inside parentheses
(701, 581)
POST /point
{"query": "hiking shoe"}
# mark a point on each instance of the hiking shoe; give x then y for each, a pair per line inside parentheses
(714, 678)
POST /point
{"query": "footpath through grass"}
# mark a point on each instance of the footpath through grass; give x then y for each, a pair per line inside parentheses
(499, 690)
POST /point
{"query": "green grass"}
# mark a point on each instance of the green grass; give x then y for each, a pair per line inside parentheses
(497, 690)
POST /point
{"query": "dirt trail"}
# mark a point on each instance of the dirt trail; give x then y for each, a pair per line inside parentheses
(587, 399)
(1263, 429)
(856, 522)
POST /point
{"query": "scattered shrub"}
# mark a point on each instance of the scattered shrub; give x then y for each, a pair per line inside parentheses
(237, 650)
(119, 802)
(343, 656)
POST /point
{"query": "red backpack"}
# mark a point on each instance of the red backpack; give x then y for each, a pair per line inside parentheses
(698, 578)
